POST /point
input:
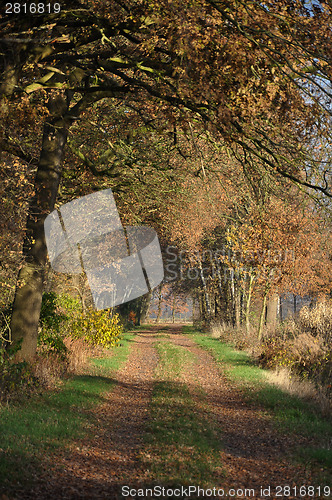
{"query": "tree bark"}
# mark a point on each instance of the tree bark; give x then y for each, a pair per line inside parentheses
(248, 302)
(79, 285)
(237, 307)
(272, 311)
(222, 304)
(196, 308)
(30, 283)
(202, 307)
(160, 298)
(145, 307)
(262, 315)
(205, 292)
(232, 294)
(173, 308)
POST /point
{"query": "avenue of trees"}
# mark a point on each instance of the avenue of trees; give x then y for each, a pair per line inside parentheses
(210, 121)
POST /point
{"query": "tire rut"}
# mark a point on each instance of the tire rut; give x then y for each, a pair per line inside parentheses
(254, 453)
(96, 468)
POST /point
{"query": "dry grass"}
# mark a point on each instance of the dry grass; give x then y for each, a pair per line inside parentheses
(78, 354)
(298, 353)
(217, 331)
(317, 321)
(236, 336)
(305, 389)
(49, 368)
(305, 345)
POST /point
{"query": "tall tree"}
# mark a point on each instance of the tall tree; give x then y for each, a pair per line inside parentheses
(241, 70)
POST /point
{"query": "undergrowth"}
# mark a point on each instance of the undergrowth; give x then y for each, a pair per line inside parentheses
(301, 344)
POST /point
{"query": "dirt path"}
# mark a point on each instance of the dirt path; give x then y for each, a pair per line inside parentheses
(95, 469)
(253, 454)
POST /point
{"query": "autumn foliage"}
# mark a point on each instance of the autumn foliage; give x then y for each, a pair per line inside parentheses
(204, 118)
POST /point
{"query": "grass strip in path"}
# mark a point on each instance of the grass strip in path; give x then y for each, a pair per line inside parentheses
(182, 448)
(31, 430)
(292, 414)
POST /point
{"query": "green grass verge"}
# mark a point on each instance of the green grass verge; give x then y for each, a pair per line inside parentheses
(138, 328)
(292, 414)
(34, 427)
(181, 446)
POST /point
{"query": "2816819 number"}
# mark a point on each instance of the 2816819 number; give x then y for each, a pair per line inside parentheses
(302, 491)
(33, 8)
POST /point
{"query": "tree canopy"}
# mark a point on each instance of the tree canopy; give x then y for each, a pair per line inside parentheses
(146, 96)
(256, 76)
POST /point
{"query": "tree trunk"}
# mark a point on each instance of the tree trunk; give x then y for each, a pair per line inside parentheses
(196, 308)
(193, 313)
(237, 304)
(222, 305)
(30, 283)
(145, 307)
(232, 294)
(272, 311)
(241, 307)
(78, 284)
(205, 292)
(159, 304)
(248, 303)
(262, 315)
(14, 56)
(202, 307)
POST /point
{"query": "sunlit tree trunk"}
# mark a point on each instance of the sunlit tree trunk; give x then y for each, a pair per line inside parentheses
(173, 308)
(159, 303)
(223, 300)
(248, 301)
(79, 284)
(262, 315)
(272, 312)
(144, 307)
(237, 307)
(205, 292)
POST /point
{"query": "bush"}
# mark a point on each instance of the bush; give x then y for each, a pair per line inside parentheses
(237, 337)
(51, 342)
(78, 353)
(132, 318)
(57, 310)
(49, 368)
(98, 328)
(305, 355)
(317, 321)
(15, 378)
